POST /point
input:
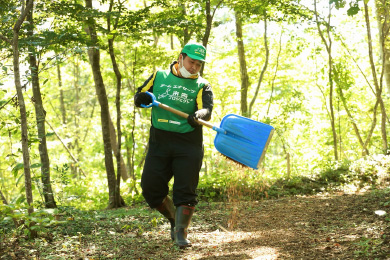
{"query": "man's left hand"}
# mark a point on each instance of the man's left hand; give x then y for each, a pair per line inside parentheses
(192, 120)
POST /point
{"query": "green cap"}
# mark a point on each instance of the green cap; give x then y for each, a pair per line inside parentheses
(195, 51)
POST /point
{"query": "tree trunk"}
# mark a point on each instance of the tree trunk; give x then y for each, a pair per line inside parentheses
(276, 71)
(130, 141)
(330, 75)
(243, 69)
(76, 136)
(206, 36)
(373, 125)
(114, 143)
(378, 84)
(209, 23)
(40, 114)
(119, 202)
(383, 20)
(22, 108)
(62, 103)
(264, 67)
(94, 59)
(288, 166)
(186, 32)
(352, 120)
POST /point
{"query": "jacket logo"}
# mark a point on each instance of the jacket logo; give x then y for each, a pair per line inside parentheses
(177, 93)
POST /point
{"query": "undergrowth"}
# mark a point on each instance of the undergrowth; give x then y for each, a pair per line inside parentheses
(369, 172)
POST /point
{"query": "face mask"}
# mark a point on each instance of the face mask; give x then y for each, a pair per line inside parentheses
(184, 72)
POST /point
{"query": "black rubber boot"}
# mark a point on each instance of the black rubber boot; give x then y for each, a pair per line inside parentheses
(183, 219)
(168, 210)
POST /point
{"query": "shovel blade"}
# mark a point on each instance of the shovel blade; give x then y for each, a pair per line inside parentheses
(245, 140)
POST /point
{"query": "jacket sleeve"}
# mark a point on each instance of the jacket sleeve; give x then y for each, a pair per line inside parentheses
(205, 102)
(147, 86)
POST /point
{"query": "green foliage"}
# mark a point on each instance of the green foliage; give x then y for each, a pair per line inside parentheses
(353, 5)
(212, 188)
(335, 173)
(368, 172)
(297, 185)
(367, 247)
(38, 221)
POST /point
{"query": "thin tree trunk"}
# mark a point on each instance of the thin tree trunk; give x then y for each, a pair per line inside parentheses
(330, 75)
(119, 202)
(373, 125)
(186, 32)
(355, 127)
(76, 109)
(276, 71)
(40, 114)
(94, 58)
(130, 146)
(62, 103)
(288, 166)
(383, 20)
(114, 143)
(263, 69)
(22, 108)
(243, 68)
(378, 84)
(66, 148)
(209, 23)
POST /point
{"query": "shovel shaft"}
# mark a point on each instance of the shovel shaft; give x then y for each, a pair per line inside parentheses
(182, 114)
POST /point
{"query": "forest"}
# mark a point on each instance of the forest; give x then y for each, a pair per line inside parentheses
(73, 144)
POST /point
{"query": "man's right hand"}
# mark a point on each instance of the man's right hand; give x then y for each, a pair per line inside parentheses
(142, 99)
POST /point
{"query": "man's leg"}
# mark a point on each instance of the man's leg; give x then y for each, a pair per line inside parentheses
(186, 166)
(154, 182)
(168, 210)
(156, 175)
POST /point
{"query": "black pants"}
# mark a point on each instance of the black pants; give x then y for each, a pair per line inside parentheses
(172, 155)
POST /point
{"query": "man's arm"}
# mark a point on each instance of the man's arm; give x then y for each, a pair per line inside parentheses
(140, 96)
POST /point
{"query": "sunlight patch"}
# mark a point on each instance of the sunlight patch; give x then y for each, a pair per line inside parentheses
(264, 253)
(380, 212)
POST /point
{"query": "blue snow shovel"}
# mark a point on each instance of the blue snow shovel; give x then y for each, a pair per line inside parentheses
(241, 139)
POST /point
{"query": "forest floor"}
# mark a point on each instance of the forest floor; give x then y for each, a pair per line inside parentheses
(331, 226)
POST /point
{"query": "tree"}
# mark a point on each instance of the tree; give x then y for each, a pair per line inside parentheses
(243, 68)
(209, 23)
(94, 59)
(259, 11)
(328, 46)
(383, 19)
(120, 164)
(265, 65)
(343, 81)
(25, 9)
(378, 83)
(40, 114)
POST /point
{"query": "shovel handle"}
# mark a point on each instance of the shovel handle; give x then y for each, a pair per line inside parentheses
(184, 115)
(175, 111)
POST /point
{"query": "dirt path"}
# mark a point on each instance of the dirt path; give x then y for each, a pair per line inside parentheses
(334, 226)
(317, 227)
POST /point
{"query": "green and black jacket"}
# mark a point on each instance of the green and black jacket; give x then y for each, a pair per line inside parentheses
(185, 94)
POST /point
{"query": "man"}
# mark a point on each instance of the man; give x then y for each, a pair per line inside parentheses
(176, 143)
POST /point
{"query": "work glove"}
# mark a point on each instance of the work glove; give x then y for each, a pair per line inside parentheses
(200, 114)
(142, 99)
(191, 119)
